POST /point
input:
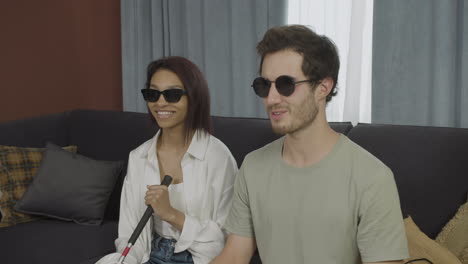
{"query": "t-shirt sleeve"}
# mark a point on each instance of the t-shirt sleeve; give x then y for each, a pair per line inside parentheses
(381, 232)
(239, 220)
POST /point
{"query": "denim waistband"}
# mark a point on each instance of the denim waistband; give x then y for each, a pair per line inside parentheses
(162, 241)
(162, 252)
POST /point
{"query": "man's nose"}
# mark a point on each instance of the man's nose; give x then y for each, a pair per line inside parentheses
(273, 96)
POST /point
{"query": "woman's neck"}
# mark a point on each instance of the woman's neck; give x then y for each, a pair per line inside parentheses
(174, 140)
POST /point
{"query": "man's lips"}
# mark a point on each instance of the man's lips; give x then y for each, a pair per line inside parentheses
(277, 113)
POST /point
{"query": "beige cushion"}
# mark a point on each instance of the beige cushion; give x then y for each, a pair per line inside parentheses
(464, 257)
(454, 235)
(421, 246)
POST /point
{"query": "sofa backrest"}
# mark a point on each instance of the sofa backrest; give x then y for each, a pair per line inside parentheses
(36, 131)
(111, 135)
(430, 165)
(108, 135)
(244, 135)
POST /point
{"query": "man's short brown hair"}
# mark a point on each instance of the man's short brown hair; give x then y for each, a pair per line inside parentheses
(320, 55)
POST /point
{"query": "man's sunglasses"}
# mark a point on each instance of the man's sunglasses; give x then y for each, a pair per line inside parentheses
(170, 95)
(284, 85)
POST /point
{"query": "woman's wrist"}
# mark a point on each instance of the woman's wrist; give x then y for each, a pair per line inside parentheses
(175, 218)
(170, 216)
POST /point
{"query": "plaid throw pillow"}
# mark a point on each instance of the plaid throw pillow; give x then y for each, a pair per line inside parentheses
(17, 168)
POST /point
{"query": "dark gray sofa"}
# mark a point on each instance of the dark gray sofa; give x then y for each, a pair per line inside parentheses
(430, 166)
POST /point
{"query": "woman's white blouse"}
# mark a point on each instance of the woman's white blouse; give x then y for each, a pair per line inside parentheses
(209, 171)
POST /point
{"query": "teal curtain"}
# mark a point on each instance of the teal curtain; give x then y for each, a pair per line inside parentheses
(420, 62)
(218, 35)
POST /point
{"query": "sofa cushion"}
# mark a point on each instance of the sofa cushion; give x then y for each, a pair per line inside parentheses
(56, 242)
(454, 235)
(429, 165)
(17, 167)
(421, 246)
(70, 187)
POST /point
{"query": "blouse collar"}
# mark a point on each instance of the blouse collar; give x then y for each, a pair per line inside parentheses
(197, 149)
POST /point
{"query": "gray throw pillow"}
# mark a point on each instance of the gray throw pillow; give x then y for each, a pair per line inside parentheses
(71, 187)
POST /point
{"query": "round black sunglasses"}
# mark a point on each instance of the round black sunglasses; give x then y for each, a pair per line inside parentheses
(284, 85)
(170, 95)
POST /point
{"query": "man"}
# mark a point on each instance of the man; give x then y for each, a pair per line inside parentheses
(312, 196)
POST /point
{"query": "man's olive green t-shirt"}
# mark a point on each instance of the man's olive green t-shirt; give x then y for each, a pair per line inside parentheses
(341, 210)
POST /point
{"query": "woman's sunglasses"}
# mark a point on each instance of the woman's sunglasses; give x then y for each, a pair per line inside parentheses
(170, 95)
(284, 85)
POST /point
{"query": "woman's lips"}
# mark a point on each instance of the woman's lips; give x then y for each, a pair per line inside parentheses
(164, 114)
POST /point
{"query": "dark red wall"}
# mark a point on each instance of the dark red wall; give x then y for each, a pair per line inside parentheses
(59, 55)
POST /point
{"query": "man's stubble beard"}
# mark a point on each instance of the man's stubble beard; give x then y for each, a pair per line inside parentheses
(301, 116)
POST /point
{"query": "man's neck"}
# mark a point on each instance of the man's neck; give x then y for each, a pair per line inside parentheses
(309, 145)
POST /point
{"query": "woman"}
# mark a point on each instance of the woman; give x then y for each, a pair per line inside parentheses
(187, 218)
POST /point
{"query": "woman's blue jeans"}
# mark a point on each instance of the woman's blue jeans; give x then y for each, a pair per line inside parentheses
(162, 252)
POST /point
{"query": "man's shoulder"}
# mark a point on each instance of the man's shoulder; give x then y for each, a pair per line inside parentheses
(265, 153)
(365, 165)
(361, 155)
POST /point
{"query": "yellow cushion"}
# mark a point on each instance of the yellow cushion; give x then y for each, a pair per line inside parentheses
(421, 246)
(454, 235)
(17, 167)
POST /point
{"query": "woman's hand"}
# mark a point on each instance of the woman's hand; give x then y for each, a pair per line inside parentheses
(158, 197)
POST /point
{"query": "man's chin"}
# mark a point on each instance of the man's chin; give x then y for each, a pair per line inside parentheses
(280, 130)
